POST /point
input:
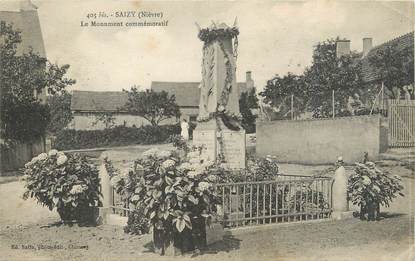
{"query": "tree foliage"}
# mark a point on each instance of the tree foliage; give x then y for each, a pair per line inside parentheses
(278, 91)
(328, 73)
(247, 102)
(23, 117)
(152, 106)
(313, 90)
(395, 66)
(60, 111)
(105, 117)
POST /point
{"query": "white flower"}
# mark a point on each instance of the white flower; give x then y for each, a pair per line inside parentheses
(366, 180)
(168, 164)
(193, 174)
(115, 180)
(126, 171)
(77, 189)
(370, 164)
(204, 186)
(185, 166)
(164, 154)
(207, 163)
(212, 178)
(34, 160)
(151, 152)
(28, 164)
(195, 160)
(61, 160)
(53, 153)
(193, 154)
(60, 153)
(42, 156)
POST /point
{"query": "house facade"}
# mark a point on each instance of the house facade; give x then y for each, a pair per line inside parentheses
(23, 17)
(188, 94)
(373, 83)
(87, 106)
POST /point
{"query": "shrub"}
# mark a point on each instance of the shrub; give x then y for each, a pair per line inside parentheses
(118, 136)
(176, 193)
(369, 187)
(65, 182)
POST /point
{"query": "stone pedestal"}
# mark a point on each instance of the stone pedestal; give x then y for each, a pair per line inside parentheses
(339, 194)
(209, 135)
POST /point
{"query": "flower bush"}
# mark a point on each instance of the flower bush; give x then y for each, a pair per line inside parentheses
(370, 187)
(176, 192)
(65, 182)
(68, 139)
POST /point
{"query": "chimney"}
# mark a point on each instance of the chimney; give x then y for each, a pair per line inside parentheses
(367, 45)
(342, 48)
(249, 81)
(248, 76)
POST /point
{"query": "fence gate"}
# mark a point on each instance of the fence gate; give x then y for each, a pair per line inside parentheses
(401, 116)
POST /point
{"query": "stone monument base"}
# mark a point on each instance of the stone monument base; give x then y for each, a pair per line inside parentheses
(216, 139)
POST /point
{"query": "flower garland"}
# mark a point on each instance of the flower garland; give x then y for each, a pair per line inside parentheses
(208, 35)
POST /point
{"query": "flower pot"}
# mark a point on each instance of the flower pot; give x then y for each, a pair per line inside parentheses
(372, 210)
(67, 214)
(163, 242)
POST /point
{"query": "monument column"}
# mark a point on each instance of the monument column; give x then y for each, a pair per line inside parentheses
(219, 130)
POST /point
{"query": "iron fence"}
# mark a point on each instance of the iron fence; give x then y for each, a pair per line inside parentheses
(120, 205)
(285, 199)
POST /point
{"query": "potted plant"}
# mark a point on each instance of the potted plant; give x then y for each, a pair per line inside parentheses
(370, 187)
(178, 195)
(68, 183)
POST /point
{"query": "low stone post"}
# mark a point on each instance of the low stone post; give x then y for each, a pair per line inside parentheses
(106, 190)
(340, 203)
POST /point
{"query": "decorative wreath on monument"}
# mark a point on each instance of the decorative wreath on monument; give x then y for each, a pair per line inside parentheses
(209, 35)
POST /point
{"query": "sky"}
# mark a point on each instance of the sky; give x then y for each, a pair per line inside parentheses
(275, 37)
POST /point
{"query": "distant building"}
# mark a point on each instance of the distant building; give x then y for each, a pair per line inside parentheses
(370, 76)
(23, 17)
(188, 94)
(87, 106)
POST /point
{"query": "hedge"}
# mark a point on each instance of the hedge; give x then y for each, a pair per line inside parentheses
(69, 139)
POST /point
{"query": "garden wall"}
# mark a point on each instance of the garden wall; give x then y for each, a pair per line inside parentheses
(321, 141)
(18, 154)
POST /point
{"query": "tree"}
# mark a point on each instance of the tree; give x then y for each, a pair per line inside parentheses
(278, 92)
(152, 106)
(328, 73)
(60, 111)
(23, 117)
(106, 117)
(247, 102)
(395, 66)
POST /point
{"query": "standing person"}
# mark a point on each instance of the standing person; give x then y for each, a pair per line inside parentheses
(185, 130)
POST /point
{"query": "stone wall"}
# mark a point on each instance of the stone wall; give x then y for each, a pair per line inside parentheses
(321, 141)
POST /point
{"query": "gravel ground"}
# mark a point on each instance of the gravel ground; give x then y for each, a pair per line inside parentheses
(26, 224)
(328, 240)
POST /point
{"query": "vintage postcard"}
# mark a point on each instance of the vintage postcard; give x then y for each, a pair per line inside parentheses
(207, 130)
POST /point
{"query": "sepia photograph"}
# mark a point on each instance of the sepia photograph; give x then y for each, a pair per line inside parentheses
(207, 130)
